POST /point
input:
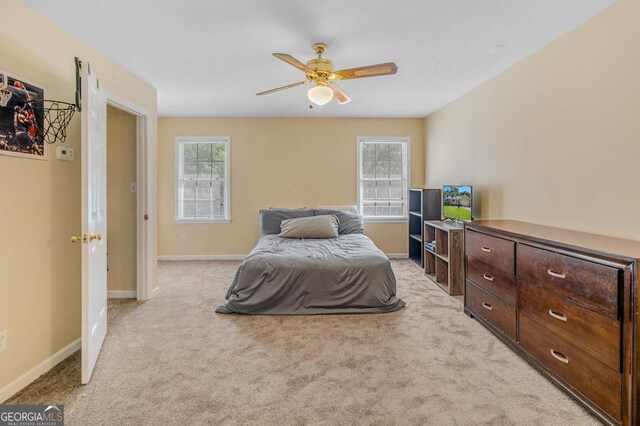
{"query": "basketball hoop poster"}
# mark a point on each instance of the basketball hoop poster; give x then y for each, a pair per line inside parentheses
(21, 117)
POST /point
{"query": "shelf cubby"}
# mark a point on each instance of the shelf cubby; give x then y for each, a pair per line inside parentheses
(442, 273)
(442, 242)
(445, 265)
(424, 204)
(430, 264)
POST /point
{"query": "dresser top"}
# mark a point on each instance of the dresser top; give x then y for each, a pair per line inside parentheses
(575, 239)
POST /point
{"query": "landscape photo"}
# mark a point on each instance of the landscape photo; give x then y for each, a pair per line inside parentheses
(457, 202)
(21, 117)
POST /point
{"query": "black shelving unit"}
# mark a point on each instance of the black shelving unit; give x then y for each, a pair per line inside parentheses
(424, 204)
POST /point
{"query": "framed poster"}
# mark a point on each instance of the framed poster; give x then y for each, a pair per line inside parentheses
(21, 117)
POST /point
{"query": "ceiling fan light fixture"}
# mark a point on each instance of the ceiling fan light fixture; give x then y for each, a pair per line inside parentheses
(320, 95)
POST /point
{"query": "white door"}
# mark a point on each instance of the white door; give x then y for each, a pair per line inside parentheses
(94, 220)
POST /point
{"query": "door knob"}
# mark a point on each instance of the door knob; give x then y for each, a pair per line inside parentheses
(76, 239)
(93, 236)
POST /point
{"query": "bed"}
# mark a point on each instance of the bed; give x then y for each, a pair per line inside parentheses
(285, 276)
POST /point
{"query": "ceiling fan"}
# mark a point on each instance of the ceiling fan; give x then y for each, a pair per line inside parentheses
(320, 72)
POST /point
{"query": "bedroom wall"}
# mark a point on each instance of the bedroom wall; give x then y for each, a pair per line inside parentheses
(40, 278)
(121, 203)
(281, 163)
(554, 139)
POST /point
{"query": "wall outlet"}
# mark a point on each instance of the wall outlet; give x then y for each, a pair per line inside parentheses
(183, 239)
(3, 341)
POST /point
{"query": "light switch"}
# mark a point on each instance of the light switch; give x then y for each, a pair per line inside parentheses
(64, 153)
(132, 187)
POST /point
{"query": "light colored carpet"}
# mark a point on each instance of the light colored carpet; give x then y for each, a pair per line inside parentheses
(172, 360)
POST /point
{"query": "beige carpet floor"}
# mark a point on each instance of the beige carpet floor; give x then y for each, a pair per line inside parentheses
(172, 360)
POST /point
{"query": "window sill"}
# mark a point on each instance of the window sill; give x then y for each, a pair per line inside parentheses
(202, 221)
(386, 219)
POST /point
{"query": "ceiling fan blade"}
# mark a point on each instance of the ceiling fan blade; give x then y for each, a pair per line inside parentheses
(387, 68)
(340, 96)
(296, 63)
(266, 92)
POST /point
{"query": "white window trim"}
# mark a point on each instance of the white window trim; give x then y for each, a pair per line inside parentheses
(227, 178)
(382, 139)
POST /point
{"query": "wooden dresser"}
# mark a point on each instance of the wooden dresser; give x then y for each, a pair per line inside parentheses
(566, 301)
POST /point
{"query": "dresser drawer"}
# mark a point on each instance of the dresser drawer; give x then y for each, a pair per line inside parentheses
(493, 280)
(595, 334)
(492, 309)
(598, 383)
(587, 283)
(493, 251)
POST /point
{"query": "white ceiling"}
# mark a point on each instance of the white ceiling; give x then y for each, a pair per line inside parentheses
(209, 58)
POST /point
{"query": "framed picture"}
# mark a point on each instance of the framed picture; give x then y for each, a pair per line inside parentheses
(21, 117)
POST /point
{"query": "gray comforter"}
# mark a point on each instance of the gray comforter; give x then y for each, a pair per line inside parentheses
(343, 275)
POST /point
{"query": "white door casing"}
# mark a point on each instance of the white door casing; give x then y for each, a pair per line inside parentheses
(145, 194)
(94, 220)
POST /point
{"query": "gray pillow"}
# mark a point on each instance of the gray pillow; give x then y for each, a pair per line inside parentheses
(310, 227)
(287, 208)
(270, 219)
(349, 223)
(346, 208)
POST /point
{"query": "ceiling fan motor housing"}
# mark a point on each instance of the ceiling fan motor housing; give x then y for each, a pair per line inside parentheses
(323, 68)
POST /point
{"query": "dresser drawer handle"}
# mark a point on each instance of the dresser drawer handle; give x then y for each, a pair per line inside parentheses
(487, 306)
(555, 274)
(485, 249)
(558, 316)
(487, 277)
(559, 356)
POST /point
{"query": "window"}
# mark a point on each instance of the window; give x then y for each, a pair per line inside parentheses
(202, 179)
(383, 170)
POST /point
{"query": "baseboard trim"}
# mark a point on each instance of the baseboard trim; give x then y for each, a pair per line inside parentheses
(203, 257)
(122, 294)
(397, 255)
(27, 378)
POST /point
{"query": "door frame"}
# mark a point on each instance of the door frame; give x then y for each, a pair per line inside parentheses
(146, 234)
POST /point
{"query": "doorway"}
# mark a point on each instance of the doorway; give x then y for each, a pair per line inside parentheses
(121, 204)
(143, 232)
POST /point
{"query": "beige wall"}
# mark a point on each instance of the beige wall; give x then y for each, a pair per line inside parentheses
(40, 200)
(281, 163)
(556, 138)
(121, 203)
